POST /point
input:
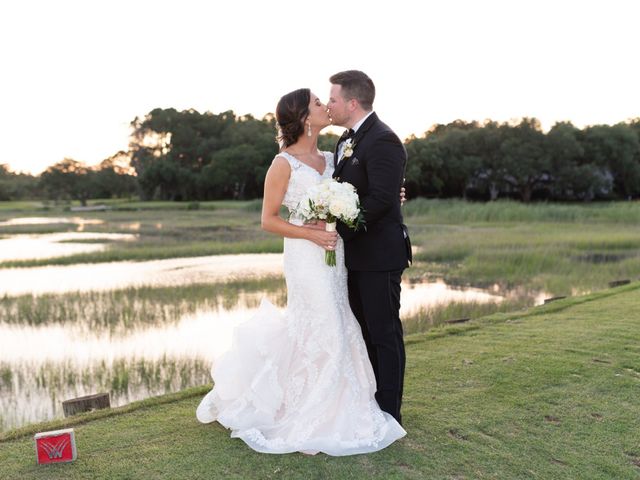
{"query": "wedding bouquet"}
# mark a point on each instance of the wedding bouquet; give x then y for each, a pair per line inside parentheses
(331, 201)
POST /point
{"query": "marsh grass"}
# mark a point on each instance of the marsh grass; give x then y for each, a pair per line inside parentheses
(90, 240)
(22, 206)
(559, 248)
(117, 376)
(427, 318)
(555, 248)
(143, 251)
(508, 211)
(31, 389)
(133, 307)
(221, 228)
(34, 391)
(124, 309)
(563, 249)
(134, 205)
(119, 204)
(40, 229)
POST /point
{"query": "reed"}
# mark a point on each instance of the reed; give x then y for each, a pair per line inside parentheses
(120, 310)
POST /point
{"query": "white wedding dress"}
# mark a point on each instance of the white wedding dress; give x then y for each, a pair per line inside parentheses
(301, 380)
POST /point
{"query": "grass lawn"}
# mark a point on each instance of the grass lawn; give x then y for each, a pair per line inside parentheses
(547, 393)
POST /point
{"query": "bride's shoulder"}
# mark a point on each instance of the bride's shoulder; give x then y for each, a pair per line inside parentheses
(280, 158)
(285, 162)
(281, 162)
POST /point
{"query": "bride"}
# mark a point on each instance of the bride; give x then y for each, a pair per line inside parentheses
(300, 380)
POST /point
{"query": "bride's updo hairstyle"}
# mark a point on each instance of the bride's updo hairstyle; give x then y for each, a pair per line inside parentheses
(291, 112)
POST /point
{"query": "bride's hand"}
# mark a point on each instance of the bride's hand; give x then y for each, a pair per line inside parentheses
(316, 224)
(402, 196)
(326, 240)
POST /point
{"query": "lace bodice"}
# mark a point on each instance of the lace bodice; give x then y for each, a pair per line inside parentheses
(302, 177)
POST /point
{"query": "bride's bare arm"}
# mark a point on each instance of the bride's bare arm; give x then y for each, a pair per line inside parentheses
(275, 187)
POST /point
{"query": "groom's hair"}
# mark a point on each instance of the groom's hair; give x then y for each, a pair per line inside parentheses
(356, 84)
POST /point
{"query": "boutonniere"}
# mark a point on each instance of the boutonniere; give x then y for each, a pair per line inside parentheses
(348, 148)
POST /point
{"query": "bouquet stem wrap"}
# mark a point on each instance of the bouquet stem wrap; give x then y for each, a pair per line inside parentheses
(330, 255)
(331, 201)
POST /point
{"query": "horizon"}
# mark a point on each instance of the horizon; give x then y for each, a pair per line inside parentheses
(76, 83)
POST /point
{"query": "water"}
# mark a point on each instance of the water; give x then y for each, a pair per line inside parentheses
(131, 346)
(115, 275)
(50, 221)
(26, 247)
(65, 362)
(40, 366)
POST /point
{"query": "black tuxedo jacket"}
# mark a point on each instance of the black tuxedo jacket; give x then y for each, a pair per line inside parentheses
(376, 168)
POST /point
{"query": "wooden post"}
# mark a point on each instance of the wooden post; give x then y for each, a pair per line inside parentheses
(458, 320)
(86, 404)
(553, 299)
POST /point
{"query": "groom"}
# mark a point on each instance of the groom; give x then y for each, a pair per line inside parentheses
(372, 158)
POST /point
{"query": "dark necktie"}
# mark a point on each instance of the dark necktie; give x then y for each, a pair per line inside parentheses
(347, 134)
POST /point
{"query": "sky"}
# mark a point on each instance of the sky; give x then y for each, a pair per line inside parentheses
(74, 74)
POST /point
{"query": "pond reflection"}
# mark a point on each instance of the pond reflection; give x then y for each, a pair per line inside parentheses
(416, 296)
(26, 247)
(108, 276)
(49, 220)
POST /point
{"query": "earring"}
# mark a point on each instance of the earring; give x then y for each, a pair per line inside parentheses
(308, 129)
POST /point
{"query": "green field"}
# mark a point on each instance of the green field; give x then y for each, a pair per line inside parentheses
(549, 393)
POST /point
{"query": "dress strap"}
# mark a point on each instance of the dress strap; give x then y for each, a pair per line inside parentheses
(294, 163)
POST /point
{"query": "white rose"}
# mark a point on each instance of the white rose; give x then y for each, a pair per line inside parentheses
(338, 207)
(335, 187)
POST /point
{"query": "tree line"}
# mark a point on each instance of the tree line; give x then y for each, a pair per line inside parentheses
(517, 160)
(187, 155)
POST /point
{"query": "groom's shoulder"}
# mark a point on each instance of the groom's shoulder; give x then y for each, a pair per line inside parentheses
(383, 131)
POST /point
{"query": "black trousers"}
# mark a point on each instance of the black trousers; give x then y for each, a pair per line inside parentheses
(375, 301)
